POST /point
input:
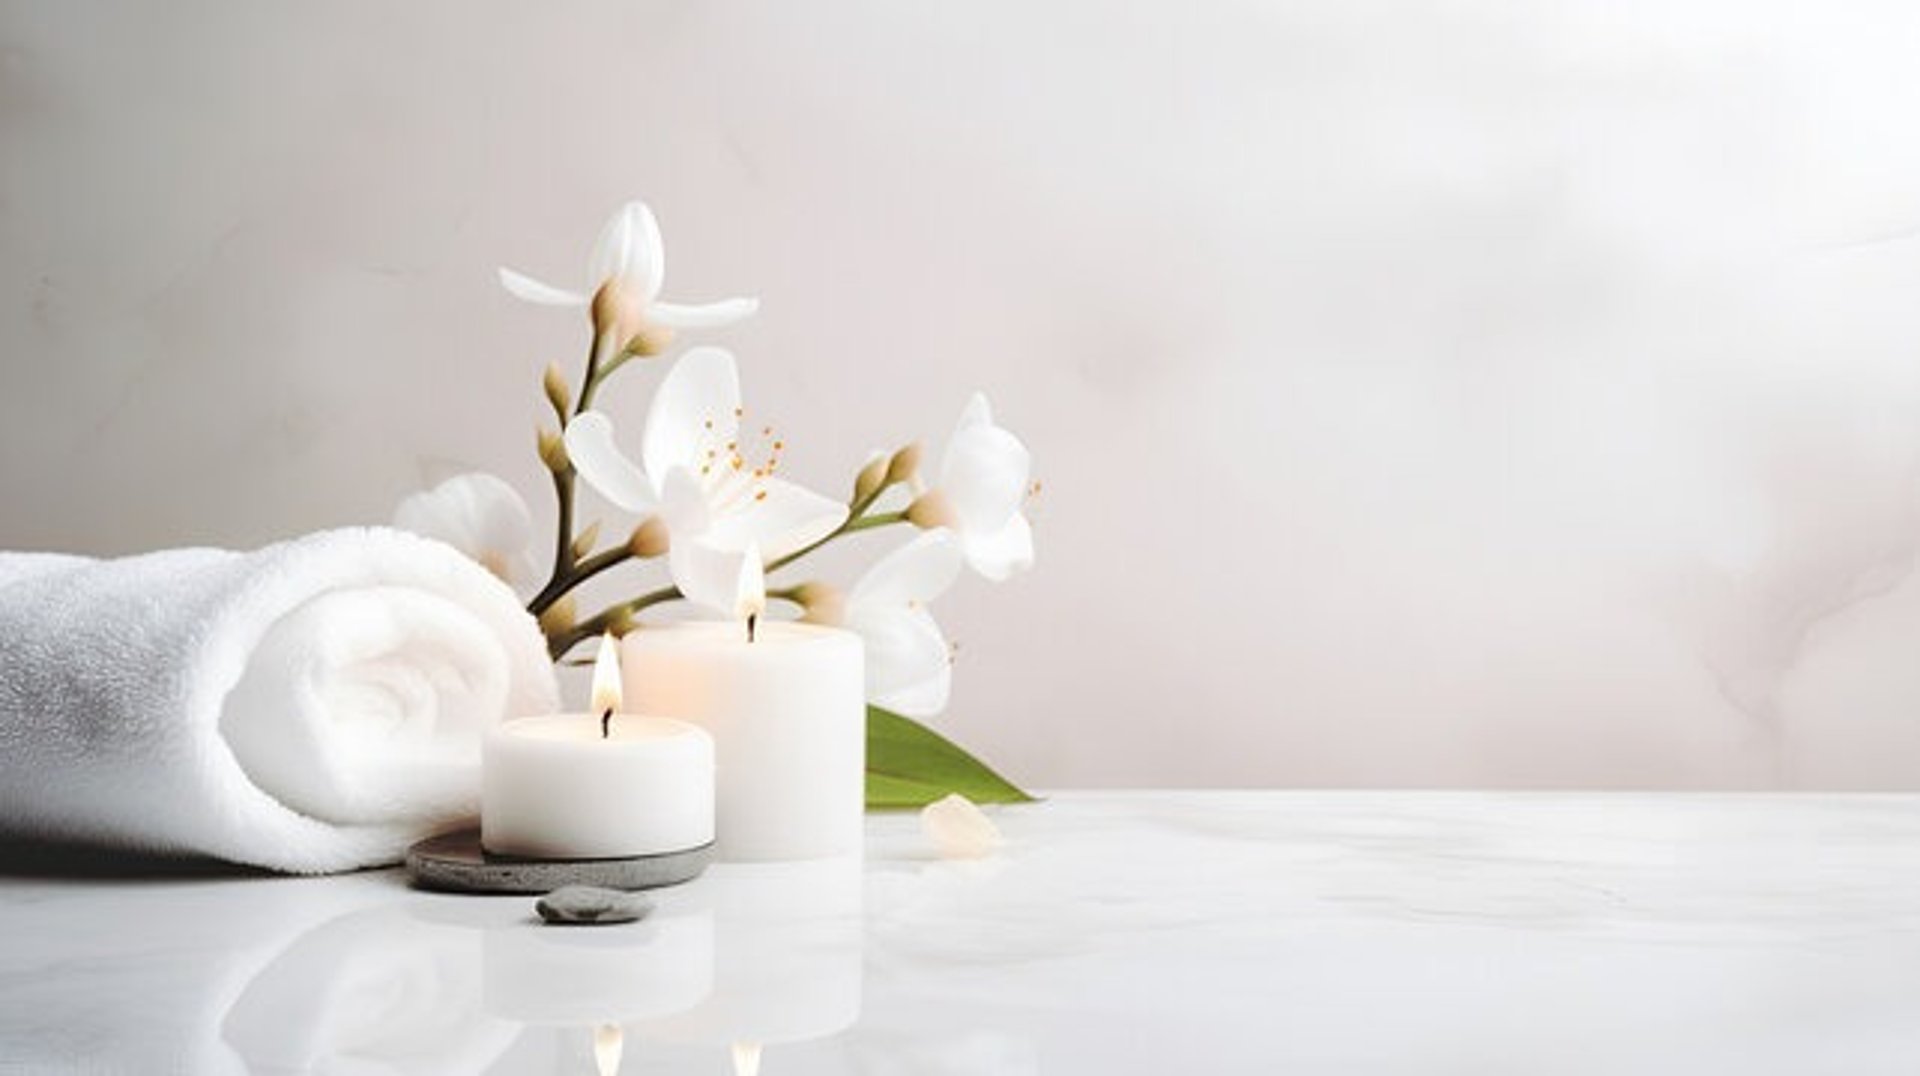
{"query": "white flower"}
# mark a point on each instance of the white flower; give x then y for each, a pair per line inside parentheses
(958, 829)
(695, 475)
(982, 482)
(629, 249)
(909, 670)
(479, 515)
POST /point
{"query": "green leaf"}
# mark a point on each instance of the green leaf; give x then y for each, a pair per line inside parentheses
(910, 765)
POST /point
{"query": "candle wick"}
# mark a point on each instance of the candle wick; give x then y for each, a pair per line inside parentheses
(606, 721)
(753, 622)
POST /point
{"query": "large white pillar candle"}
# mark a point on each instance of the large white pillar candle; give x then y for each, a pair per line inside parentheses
(596, 785)
(786, 707)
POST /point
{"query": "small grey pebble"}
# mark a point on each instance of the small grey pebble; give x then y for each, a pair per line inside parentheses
(592, 904)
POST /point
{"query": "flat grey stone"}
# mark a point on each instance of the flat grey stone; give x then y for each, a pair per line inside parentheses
(455, 863)
(592, 904)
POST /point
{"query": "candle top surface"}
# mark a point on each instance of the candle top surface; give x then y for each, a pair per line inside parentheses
(624, 728)
(771, 634)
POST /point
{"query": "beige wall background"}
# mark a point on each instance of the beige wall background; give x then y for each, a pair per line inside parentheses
(1466, 394)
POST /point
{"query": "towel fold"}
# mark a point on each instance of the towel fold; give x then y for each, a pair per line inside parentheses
(312, 706)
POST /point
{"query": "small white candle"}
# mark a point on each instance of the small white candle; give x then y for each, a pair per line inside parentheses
(596, 785)
(786, 706)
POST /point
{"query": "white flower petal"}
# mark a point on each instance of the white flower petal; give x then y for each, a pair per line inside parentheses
(779, 516)
(478, 514)
(683, 506)
(695, 411)
(978, 412)
(924, 699)
(998, 555)
(984, 476)
(918, 571)
(703, 315)
(708, 576)
(521, 286)
(589, 439)
(958, 829)
(909, 669)
(629, 246)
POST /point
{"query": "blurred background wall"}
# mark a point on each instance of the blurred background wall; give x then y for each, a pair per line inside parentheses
(1480, 393)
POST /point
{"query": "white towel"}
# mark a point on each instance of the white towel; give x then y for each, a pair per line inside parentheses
(312, 706)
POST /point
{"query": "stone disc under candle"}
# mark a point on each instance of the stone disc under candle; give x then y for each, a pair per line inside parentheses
(455, 863)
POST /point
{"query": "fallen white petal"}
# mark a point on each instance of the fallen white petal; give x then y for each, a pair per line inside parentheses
(958, 829)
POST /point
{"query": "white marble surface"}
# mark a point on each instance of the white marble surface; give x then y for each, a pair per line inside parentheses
(1254, 932)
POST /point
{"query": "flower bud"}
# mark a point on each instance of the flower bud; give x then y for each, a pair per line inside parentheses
(649, 539)
(619, 621)
(904, 465)
(584, 542)
(553, 451)
(825, 604)
(651, 340)
(555, 384)
(871, 478)
(617, 310)
(557, 617)
(930, 510)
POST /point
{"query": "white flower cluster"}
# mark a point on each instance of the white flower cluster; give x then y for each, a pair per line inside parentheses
(727, 513)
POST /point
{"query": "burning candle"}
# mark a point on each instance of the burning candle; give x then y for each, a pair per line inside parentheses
(602, 784)
(785, 704)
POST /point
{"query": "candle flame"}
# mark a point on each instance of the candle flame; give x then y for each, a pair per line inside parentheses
(746, 1059)
(608, 1043)
(606, 677)
(750, 591)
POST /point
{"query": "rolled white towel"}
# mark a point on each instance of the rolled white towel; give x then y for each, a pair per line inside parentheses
(312, 706)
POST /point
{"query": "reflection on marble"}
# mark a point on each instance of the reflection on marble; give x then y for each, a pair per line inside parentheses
(380, 985)
(1117, 933)
(789, 945)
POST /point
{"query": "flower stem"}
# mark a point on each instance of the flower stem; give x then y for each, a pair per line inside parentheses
(563, 548)
(855, 522)
(598, 623)
(581, 571)
(878, 519)
(568, 571)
